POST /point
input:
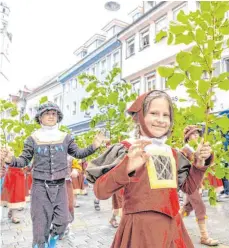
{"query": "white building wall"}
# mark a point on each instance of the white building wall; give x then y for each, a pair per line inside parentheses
(76, 95)
(145, 61)
(32, 100)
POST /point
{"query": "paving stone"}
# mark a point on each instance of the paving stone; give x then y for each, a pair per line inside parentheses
(91, 229)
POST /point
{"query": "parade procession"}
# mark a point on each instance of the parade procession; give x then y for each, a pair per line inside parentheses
(125, 145)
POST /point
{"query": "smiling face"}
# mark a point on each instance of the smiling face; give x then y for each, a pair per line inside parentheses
(49, 118)
(194, 136)
(157, 117)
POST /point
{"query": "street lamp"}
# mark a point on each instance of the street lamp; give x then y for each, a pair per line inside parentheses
(112, 6)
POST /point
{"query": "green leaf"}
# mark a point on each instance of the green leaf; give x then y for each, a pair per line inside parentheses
(9, 128)
(175, 80)
(170, 39)
(207, 17)
(177, 28)
(165, 71)
(184, 59)
(196, 50)
(224, 29)
(223, 123)
(211, 31)
(211, 46)
(203, 86)
(160, 35)
(121, 106)
(43, 100)
(14, 113)
(205, 6)
(111, 113)
(200, 36)
(184, 39)
(222, 76)
(182, 17)
(220, 11)
(224, 85)
(17, 129)
(219, 172)
(228, 43)
(113, 98)
(195, 72)
(101, 100)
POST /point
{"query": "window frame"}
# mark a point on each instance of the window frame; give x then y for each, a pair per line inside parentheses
(152, 73)
(178, 9)
(141, 37)
(158, 21)
(128, 41)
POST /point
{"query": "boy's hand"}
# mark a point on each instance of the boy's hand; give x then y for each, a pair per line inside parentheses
(99, 139)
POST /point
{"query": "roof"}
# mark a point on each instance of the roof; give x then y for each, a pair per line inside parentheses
(114, 22)
(143, 16)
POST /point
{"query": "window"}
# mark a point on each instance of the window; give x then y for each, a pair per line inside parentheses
(161, 24)
(150, 81)
(177, 10)
(67, 107)
(163, 83)
(144, 38)
(74, 108)
(55, 100)
(67, 87)
(109, 62)
(136, 16)
(74, 83)
(103, 66)
(116, 59)
(136, 86)
(227, 14)
(130, 47)
(226, 65)
(217, 70)
(93, 71)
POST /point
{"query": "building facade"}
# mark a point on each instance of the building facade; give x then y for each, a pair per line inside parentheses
(5, 44)
(96, 57)
(141, 55)
(51, 88)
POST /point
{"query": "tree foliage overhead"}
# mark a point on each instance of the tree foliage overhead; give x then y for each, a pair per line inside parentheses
(206, 32)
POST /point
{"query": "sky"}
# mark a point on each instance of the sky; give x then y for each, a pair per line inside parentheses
(47, 32)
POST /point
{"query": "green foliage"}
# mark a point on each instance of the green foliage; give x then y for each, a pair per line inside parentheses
(206, 29)
(18, 130)
(44, 99)
(111, 99)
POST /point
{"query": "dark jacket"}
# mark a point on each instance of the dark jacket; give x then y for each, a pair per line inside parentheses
(50, 159)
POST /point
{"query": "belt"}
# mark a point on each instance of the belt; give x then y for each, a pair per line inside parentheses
(51, 182)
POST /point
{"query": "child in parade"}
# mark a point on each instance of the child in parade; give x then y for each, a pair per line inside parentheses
(49, 147)
(195, 201)
(149, 172)
(14, 193)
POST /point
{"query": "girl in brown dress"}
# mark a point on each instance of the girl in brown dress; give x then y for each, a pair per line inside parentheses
(150, 172)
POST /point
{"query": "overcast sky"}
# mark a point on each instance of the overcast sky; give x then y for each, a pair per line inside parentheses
(47, 32)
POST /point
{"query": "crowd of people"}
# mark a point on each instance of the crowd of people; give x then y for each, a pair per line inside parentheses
(141, 174)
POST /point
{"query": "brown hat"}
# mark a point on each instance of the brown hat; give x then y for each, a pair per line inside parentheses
(190, 130)
(136, 110)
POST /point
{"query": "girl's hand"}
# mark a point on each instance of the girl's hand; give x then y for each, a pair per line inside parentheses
(137, 156)
(203, 152)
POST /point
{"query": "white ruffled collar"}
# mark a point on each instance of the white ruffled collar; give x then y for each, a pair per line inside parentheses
(48, 133)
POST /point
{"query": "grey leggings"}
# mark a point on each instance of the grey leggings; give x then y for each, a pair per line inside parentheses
(49, 205)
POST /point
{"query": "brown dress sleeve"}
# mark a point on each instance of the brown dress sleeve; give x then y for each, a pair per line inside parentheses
(113, 180)
(189, 176)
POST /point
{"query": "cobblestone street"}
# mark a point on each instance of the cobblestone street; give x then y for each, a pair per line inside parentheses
(91, 229)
